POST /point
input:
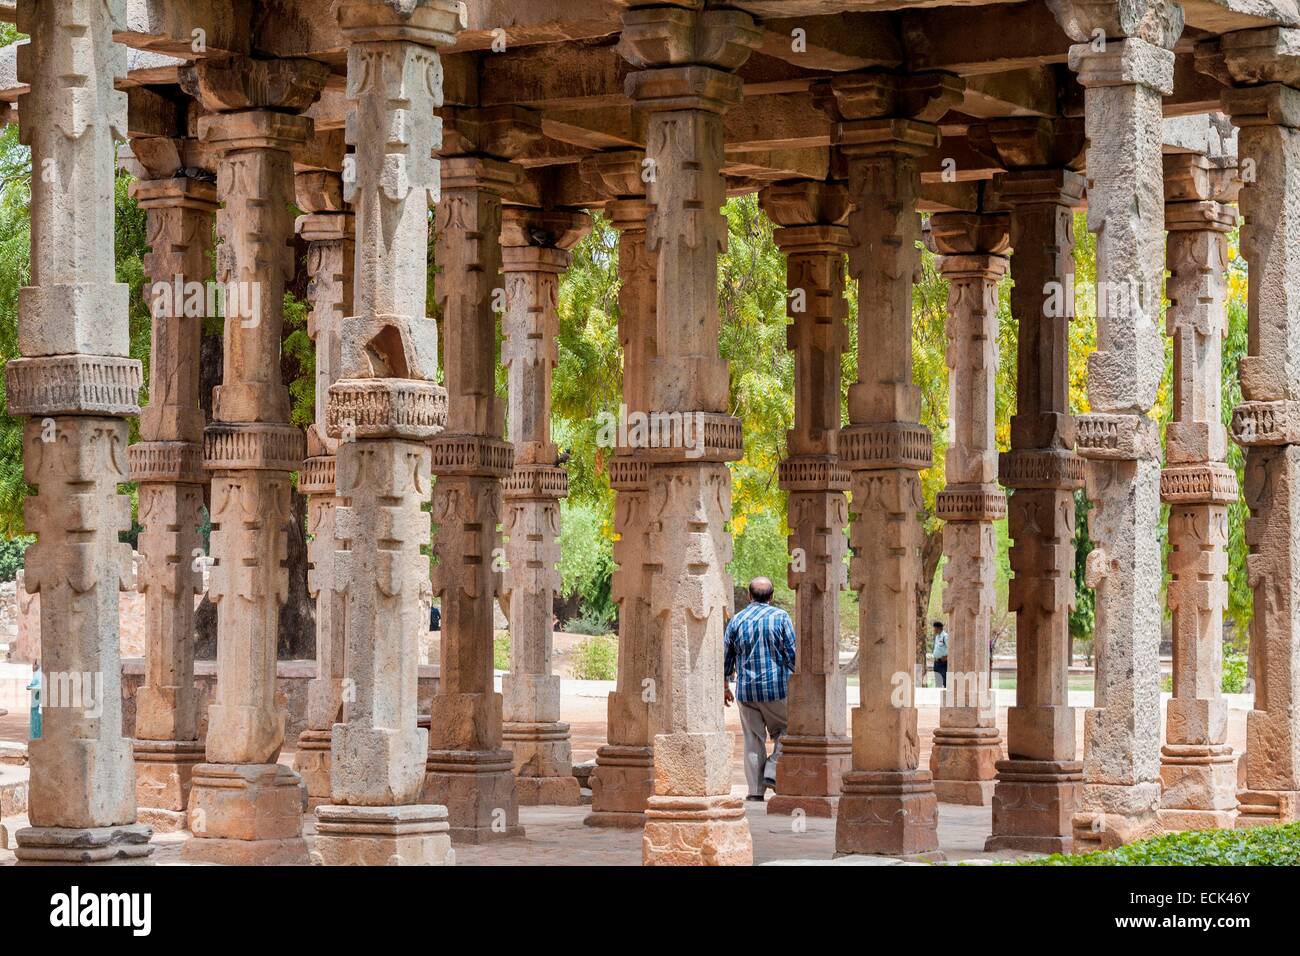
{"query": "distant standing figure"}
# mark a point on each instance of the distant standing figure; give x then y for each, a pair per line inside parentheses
(941, 653)
(759, 645)
(34, 719)
(435, 618)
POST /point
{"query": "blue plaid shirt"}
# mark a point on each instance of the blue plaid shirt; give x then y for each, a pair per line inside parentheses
(759, 641)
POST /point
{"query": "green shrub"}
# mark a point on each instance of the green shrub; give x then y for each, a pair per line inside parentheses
(596, 658)
(11, 555)
(1254, 846)
(1234, 671)
(593, 621)
(501, 652)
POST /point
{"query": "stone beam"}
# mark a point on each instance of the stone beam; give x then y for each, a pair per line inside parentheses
(187, 28)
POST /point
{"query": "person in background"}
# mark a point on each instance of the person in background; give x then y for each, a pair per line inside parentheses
(435, 618)
(941, 653)
(759, 651)
(34, 719)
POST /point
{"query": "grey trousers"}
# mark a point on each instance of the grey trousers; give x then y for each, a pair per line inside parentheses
(758, 719)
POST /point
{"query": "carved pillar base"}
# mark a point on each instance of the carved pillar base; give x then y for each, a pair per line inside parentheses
(808, 774)
(621, 786)
(696, 831)
(1033, 805)
(163, 773)
(1111, 815)
(382, 836)
(52, 846)
(246, 815)
(1266, 808)
(312, 764)
(888, 813)
(543, 763)
(478, 789)
(963, 763)
(1199, 787)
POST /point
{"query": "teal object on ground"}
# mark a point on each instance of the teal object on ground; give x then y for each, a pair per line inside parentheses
(34, 721)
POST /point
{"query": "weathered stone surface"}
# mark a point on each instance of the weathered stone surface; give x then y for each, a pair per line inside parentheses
(246, 814)
(382, 836)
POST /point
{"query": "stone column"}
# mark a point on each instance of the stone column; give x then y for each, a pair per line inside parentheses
(76, 386)
(470, 771)
(967, 743)
(888, 804)
(1266, 422)
(623, 781)
(383, 410)
(245, 807)
(815, 749)
(329, 229)
(535, 255)
(1197, 768)
(684, 84)
(1124, 79)
(168, 465)
(1034, 796)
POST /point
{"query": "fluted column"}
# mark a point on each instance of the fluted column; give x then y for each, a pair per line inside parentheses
(1124, 79)
(1264, 103)
(168, 465)
(535, 254)
(684, 84)
(76, 387)
(815, 749)
(469, 770)
(245, 807)
(888, 804)
(329, 229)
(967, 743)
(623, 780)
(1034, 796)
(1197, 768)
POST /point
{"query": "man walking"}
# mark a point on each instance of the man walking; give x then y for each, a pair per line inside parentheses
(940, 654)
(759, 644)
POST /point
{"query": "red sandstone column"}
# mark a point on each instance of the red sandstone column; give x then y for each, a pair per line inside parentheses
(168, 465)
(888, 804)
(816, 749)
(245, 807)
(967, 743)
(684, 84)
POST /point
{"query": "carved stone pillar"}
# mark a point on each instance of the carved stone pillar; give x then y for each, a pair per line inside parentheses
(967, 743)
(168, 465)
(329, 228)
(535, 254)
(469, 771)
(888, 804)
(684, 84)
(815, 749)
(624, 778)
(1265, 423)
(1124, 80)
(76, 386)
(1034, 796)
(244, 806)
(1197, 768)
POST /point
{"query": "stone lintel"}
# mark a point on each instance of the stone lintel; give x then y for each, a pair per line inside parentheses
(254, 446)
(684, 88)
(1266, 423)
(385, 408)
(1208, 483)
(174, 462)
(51, 385)
(536, 482)
(1130, 62)
(1116, 437)
(432, 23)
(813, 473)
(877, 445)
(472, 455)
(976, 503)
(317, 477)
(1047, 468)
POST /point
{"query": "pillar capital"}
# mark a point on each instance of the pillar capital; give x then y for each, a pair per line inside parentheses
(236, 83)
(618, 174)
(1031, 142)
(958, 235)
(1158, 22)
(431, 23)
(496, 132)
(806, 203)
(180, 192)
(1252, 58)
(525, 228)
(1029, 187)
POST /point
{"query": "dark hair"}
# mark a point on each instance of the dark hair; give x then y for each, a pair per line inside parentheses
(938, 624)
(759, 593)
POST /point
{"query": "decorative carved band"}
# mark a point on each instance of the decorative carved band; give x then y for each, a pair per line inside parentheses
(256, 446)
(1045, 468)
(73, 385)
(693, 436)
(1116, 437)
(629, 474)
(317, 476)
(385, 408)
(971, 504)
(175, 462)
(1266, 423)
(472, 455)
(812, 473)
(885, 445)
(536, 481)
(1213, 482)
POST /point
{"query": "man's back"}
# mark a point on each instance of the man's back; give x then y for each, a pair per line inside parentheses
(759, 646)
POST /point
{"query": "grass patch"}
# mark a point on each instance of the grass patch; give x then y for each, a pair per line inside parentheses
(1255, 846)
(501, 651)
(596, 658)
